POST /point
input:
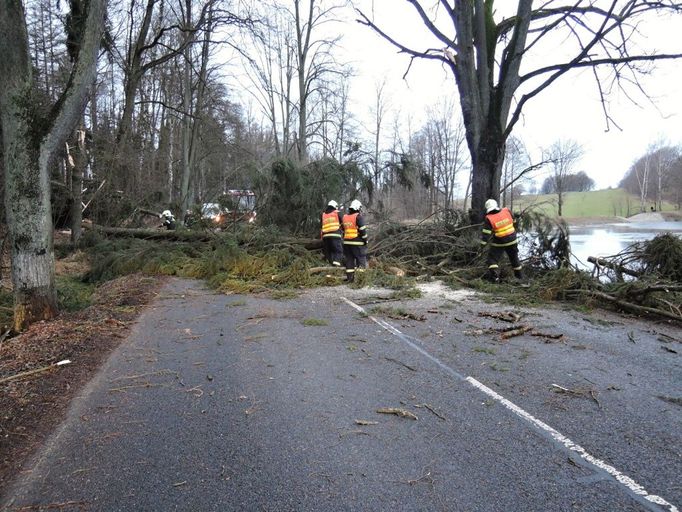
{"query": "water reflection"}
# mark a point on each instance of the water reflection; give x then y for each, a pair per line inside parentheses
(610, 239)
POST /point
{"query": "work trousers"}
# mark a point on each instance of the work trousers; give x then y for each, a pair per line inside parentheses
(356, 260)
(333, 250)
(494, 255)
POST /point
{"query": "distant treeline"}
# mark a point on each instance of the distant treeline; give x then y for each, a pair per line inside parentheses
(656, 177)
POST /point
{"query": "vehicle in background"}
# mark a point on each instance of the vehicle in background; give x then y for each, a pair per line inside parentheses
(234, 206)
(211, 211)
(244, 205)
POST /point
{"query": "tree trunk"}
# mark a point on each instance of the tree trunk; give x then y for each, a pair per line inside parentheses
(29, 219)
(186, 126)
(303, 31)
(488, 159)
(29, 150)
(560, 201)
(80, 162)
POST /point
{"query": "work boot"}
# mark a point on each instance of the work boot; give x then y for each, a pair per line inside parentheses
(492, 276)
(350, 277)
(518, 274)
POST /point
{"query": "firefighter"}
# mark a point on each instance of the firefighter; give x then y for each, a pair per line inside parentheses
(332, 233)
(354, 240)
(499, 231)
(168, 219)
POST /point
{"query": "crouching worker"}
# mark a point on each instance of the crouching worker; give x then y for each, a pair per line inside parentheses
(332, 233)
(168, 219)
(354, 240)
(499, 232)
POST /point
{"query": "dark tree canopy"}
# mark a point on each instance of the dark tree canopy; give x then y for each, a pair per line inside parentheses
(578, 182)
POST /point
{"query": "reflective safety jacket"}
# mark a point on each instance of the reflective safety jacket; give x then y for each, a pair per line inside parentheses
(499, 224)
(331, 225)
(354, 229)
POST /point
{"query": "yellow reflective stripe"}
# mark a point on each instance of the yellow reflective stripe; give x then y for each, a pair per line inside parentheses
(504, 245)
(350, 271)
(350, 242)
(330, 222)
(517, 268)
(483, 242)
(362, 228)
(493, 266)
(331, 235)
(486, 232)
(504, 232)
(350, 227)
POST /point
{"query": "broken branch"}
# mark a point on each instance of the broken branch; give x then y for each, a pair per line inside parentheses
(33, 372)
(398, 412)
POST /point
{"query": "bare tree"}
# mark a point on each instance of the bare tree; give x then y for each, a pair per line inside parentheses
(154, 37)
(381, 104)
(664, 159)
(269, 54)
(439, 145)
(314, 59)
(46, 43)
(676, 180)
(562, 156)
(290, 61)
(485, 49)
(516, 166)
(31, 141)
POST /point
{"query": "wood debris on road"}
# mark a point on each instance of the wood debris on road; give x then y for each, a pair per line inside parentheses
(430, 408)
(366, 422)
(516, 332)
(505, 316)
(398, 412)
(401, 363)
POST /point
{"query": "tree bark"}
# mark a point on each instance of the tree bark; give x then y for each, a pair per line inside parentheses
(185, 190)
(76, 209)
(303, 31)
(154, 234)
(30, 144)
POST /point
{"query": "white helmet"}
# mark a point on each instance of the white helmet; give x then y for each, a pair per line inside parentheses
(333, 204)
(166, 213)
(355, 205)
(491, 205)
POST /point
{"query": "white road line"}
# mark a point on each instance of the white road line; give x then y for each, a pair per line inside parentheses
(555, 435)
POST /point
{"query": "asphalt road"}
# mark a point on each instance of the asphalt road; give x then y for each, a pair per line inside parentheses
(221, 403)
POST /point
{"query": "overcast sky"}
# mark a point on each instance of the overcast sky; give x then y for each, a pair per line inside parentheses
(569, 109)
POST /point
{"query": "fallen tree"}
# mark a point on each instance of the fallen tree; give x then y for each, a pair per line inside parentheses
(445, 246)
(603, 262)
(628, 306)
(152, 234)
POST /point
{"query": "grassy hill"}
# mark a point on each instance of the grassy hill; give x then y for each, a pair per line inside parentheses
(598, 203)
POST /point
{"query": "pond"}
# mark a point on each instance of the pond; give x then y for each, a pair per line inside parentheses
(609, 239)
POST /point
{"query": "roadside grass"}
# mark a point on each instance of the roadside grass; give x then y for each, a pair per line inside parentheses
(73, 294)
(406, 293)
(6, 309)
(314, 322)
(484, 350)
(615, 202)
(396, 313)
